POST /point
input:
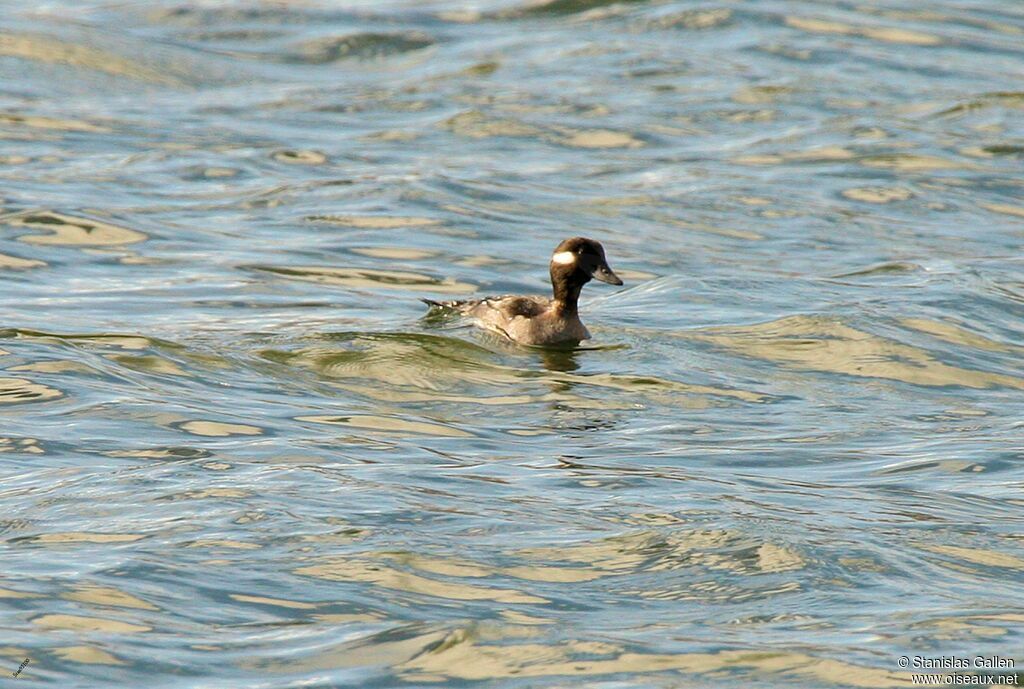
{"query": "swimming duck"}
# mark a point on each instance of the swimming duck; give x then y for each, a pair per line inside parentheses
(536, 320)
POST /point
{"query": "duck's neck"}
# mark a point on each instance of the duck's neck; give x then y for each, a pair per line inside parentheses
(567, 294)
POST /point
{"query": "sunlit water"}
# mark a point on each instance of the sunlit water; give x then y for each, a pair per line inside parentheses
(235, 455)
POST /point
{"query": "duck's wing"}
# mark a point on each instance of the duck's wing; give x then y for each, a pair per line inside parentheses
(506, 306)
(506, 314)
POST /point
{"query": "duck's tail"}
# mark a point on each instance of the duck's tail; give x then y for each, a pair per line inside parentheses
(433, 304)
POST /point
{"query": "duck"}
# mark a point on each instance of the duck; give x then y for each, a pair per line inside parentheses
(537, 320)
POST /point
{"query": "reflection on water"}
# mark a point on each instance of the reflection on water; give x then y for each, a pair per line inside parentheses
(70, 231)
(822, 344)
(368, 278)
(237, 451)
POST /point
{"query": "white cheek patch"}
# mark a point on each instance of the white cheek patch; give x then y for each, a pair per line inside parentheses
(564, 258)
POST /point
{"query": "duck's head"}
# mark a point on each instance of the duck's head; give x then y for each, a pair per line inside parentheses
(576, 261)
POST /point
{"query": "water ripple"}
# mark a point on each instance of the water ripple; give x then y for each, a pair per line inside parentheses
(235, 452)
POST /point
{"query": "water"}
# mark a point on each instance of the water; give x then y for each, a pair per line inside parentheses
(234, 455)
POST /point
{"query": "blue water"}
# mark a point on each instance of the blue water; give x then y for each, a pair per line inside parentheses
(234, 454)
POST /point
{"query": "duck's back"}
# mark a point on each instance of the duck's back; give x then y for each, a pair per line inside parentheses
(510, 306)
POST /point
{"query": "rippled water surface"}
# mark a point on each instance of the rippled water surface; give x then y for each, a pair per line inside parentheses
(236, 455)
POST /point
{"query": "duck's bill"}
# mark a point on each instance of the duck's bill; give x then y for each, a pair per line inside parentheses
(605, 274)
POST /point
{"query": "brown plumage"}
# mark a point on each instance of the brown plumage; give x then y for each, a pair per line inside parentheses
(536, 320)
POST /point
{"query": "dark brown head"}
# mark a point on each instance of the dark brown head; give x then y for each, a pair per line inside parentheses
(574, 263)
